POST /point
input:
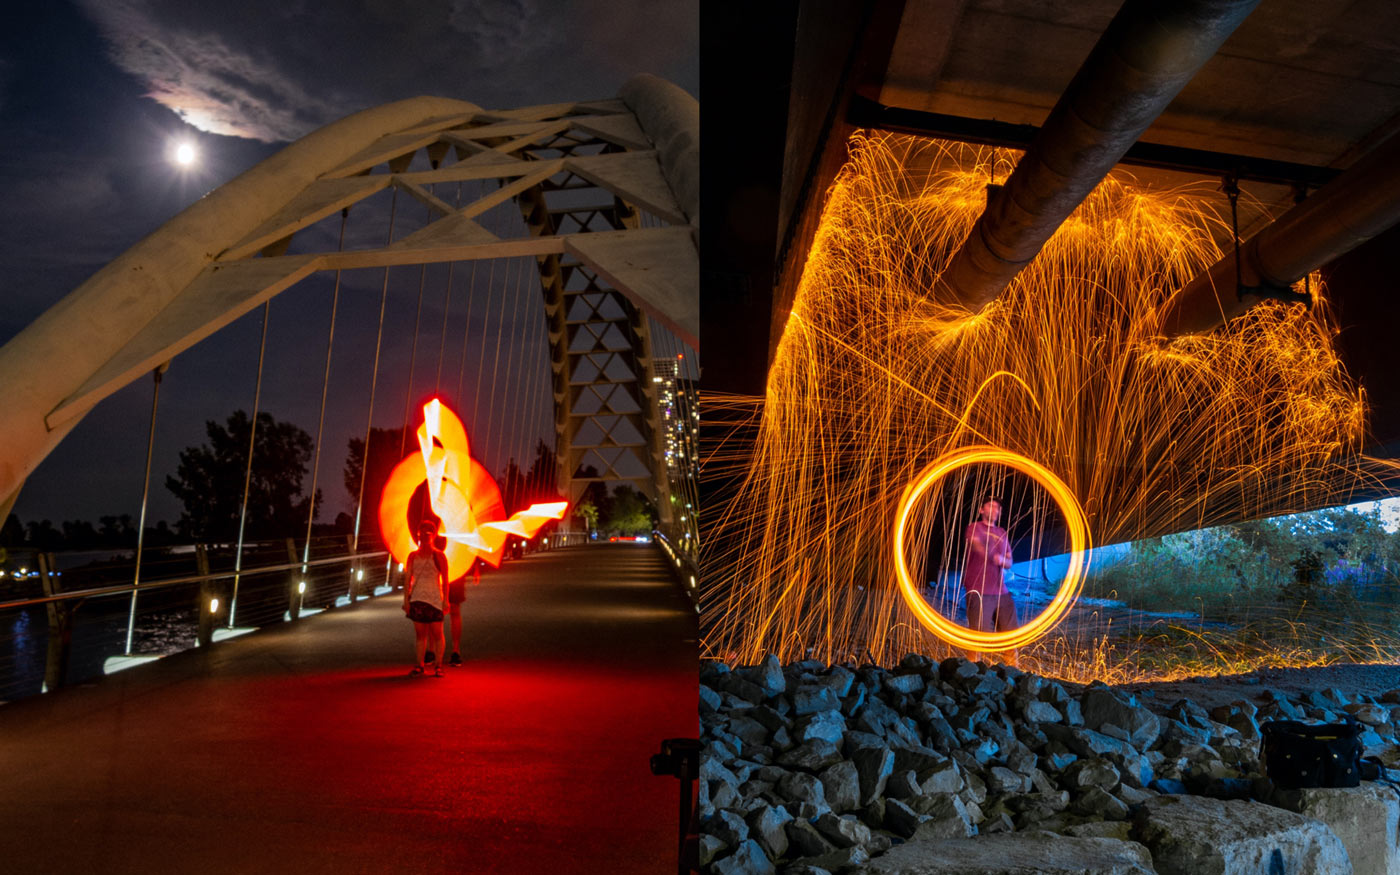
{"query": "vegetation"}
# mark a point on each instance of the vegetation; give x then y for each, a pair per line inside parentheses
(1336, 560)
(209, 480)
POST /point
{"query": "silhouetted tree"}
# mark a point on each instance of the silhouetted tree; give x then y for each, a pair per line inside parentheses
(386, 449)
(629, 512)
(117, 531)
(209, 480)
(41, 535)
(542, 479)
(514, 488)
(80, 535)
(12, 533)
(594, 495)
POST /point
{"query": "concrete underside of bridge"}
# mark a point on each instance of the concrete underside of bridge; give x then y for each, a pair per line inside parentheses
(1307, 87)
(308, 748)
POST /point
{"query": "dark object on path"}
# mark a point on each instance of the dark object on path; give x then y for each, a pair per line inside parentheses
(680, 757)
(1297, 755)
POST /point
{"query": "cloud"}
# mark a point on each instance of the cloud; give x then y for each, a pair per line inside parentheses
(203, 79)
(274, 70)
(503, 31)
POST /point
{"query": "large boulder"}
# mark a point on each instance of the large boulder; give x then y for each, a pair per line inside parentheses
(841, 784)
(747, 859)
(766, 827)
(1119, 715)
(1194, 835)
(1014, 854)
(1365, 818)
(768, 675)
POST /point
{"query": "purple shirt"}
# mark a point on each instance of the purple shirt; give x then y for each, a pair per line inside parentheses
(985, 543)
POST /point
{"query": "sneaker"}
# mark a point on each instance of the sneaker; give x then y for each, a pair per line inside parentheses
(428, 657)
(455, 659)
(416, 670)
(437, 671)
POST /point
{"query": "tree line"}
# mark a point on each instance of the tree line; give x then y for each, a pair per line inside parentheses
(209, 483)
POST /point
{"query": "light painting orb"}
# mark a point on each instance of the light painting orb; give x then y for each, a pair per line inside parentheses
(463, 497)
(975, 639)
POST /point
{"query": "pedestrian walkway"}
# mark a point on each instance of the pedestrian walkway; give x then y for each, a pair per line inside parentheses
(308, 748)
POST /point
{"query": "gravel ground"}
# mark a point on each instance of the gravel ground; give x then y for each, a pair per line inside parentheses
(1208, 692)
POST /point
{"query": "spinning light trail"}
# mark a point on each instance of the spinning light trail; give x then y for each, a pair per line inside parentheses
(461, 493)
(875, 378)
(973, 639)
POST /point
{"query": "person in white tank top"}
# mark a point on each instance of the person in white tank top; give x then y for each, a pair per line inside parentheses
(425, 596)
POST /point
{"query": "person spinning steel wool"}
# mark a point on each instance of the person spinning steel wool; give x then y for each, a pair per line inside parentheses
(425, 596)
(989, 603)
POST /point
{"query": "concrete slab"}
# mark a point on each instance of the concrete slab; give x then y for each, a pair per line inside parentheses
(1365, 818)
(1196, 835)
(1013, 854)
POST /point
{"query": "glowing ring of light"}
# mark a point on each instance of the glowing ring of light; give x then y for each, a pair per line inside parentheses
(974, 639)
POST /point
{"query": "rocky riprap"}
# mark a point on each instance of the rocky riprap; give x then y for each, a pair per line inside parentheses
(808, 768)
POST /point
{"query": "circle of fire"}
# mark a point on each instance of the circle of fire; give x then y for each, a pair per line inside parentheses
(975, 639)
(463, 496)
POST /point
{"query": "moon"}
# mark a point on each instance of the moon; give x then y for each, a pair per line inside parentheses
(185, 154)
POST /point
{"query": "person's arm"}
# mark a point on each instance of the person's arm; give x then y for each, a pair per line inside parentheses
(980, 543)
(408, 584)
(440, 561)
(1004, 554)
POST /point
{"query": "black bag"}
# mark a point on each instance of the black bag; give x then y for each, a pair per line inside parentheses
(1297, 755)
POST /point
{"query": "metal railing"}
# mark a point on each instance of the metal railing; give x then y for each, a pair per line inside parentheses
(682, 565)
(65, 621)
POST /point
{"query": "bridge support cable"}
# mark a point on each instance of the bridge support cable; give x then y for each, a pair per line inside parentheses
(466, 332)
(373, 386)
(248, 466)
(447, 304)
(496, 349)
(481, 356)
(508, 381)
(145, 494)
(321, 417)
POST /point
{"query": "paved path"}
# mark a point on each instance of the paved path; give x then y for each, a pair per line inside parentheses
(307, 747)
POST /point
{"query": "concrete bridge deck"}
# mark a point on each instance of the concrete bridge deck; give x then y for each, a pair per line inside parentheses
(307, 747)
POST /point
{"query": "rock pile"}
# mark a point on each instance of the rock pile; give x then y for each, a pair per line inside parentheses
(808, 768)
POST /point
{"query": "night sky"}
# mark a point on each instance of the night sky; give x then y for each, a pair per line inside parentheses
(93, 97)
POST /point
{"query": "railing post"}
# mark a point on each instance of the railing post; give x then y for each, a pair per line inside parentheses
(296, 588)
(208, 597)
(60, 629)
(354, 568)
